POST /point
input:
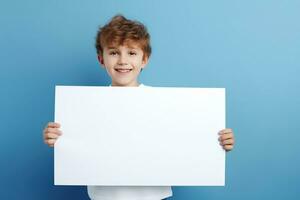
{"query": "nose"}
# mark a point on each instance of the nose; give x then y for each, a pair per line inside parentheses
(122, 60)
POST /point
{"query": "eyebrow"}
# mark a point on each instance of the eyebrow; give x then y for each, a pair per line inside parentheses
(133, 47)
(111, 47)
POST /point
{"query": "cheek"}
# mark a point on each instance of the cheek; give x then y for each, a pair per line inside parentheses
(137, 63)
(109, 62)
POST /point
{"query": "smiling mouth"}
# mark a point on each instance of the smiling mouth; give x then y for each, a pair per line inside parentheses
(123, 70)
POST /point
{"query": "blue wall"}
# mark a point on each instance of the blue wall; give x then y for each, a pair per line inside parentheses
(250, 47)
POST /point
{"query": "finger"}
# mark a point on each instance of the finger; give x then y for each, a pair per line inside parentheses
(51, 136)
(229, 141)
(53, 125)
(226, 130)
(226, 136)
(53, 130)
(228, 147)
(50, 141)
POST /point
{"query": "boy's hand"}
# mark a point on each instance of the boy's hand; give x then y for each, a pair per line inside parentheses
(226, 139)
(51, 133)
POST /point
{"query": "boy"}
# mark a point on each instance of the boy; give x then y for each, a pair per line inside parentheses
(123, 49)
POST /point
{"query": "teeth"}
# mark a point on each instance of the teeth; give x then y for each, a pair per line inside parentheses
(123, 70)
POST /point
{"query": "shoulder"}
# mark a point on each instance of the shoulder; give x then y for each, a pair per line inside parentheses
(142, 85)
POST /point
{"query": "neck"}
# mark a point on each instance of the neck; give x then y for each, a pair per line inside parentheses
(133, 84)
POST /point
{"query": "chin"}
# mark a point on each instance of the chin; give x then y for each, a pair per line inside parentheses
(122, 83)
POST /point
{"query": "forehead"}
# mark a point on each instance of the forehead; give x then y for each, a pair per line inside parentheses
(126, 45)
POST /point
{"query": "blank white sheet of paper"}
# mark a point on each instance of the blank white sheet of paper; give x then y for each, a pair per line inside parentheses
(139, 136)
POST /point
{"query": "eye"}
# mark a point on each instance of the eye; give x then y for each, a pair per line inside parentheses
(113, 53)
(132, 53)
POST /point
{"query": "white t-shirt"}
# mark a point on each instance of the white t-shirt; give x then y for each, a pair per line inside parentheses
(129, 192)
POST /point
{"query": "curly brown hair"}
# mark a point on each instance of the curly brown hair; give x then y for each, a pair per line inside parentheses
(121, 31)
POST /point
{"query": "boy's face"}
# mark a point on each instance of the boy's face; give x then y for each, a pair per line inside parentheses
(123, 64)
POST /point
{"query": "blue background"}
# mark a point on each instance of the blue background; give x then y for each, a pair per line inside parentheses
(252, 48)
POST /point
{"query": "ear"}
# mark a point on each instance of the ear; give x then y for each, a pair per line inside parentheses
(145, 62)
(100, 59)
